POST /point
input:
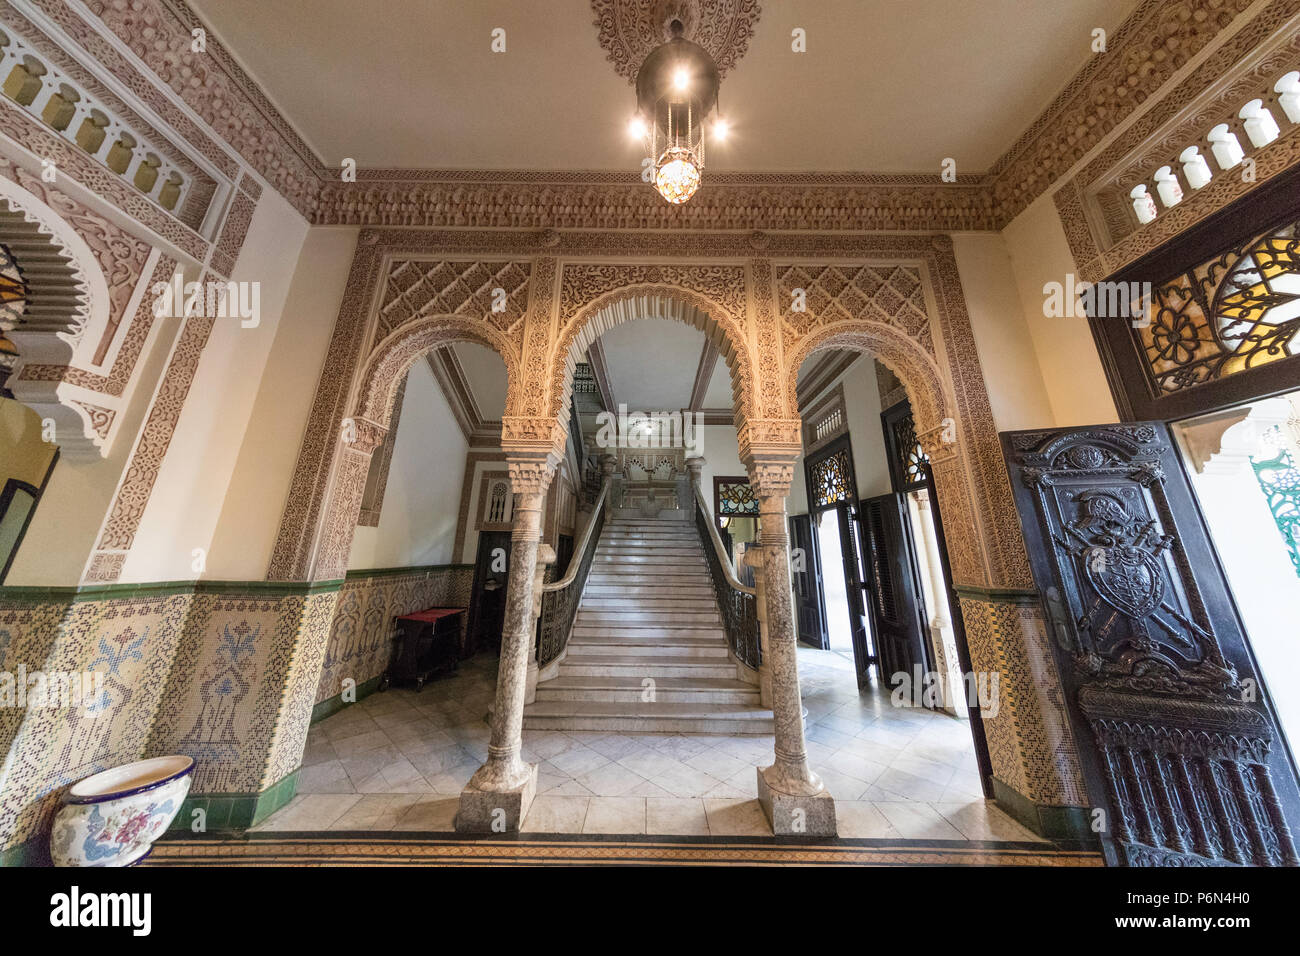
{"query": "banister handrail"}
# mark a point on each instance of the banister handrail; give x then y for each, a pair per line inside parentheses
(716, 538)
(737, 603)
(575, 560)
(560, 599)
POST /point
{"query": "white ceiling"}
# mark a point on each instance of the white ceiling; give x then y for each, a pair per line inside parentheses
(885, 85)
(651, 364)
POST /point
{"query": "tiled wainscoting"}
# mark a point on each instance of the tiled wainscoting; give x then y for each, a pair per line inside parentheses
(360, 637)
(226, 672)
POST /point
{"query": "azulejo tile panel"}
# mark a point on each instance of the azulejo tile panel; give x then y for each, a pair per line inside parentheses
(360, 641)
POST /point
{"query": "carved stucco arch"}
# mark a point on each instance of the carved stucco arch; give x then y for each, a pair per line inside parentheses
(724, 331)
(921, 378)
(935, 409)
(372, 410)
(393, 356)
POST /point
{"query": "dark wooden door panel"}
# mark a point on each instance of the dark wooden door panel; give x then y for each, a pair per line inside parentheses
(805, 575)
(1176, 741)
(897, 615)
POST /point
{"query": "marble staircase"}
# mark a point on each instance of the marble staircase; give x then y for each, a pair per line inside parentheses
(648, 612)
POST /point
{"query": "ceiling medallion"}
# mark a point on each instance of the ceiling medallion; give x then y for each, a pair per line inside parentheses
(676, 89)
(628, 30)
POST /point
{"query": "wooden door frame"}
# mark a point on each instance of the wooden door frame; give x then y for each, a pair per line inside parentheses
(837, 443)
(979, 736)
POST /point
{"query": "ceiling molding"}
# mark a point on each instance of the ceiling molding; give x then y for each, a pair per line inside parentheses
(712, 416)
(600, 370)
(820, 377)
(703, 374)
(628, 30)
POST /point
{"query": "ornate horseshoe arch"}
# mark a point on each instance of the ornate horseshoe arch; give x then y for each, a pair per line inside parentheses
(652, 301)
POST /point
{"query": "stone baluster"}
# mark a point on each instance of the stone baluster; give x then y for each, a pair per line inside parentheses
(498, 796)
(792, 796)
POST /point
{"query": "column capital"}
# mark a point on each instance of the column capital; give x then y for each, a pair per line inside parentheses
(608, 465)
(363, 435)
(529, 474)
(695, 465)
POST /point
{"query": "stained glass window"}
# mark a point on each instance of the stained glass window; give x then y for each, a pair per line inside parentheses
(830, 479)
(1238, 311)
(911, 456)
(1280, 478)
(736, 497)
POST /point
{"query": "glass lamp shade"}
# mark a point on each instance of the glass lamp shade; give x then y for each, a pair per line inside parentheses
(677, 175)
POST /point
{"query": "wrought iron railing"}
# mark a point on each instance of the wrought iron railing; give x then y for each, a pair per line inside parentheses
(560, 599)
(737, 602)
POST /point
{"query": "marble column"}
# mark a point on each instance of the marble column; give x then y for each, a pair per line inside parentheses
(793, 797)
(545, 558)
(498, 796)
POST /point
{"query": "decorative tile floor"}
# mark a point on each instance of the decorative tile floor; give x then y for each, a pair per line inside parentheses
(398, 760)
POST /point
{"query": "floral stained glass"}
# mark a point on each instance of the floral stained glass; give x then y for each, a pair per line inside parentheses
(1240, 310)
(736, 498)
(830, 479)
(912, 458)
(1279, 476)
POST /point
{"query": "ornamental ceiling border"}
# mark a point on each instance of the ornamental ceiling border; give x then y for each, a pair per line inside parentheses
(628, 30)
(1156, 40)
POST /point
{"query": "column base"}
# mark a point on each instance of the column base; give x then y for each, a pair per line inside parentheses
(796, 814)
(496, 811)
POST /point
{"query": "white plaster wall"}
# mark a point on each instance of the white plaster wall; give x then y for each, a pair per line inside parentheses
(417, 524)
(1017, 394)
(1066, 354)
(721, 450)
(259, 488)
(186, 504)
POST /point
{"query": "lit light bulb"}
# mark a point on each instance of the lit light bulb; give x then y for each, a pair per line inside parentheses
(721, 128)
(636, 128)
(681, 79)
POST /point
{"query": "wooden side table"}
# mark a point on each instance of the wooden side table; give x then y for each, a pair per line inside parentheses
(425, 643)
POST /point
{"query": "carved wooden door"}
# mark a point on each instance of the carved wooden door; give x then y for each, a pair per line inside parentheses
(1179, 745)
(894, 584)
(805, 575)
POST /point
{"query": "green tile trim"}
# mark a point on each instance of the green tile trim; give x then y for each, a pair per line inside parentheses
(1054, 823)
(362, 573)
(332, 705)
(235, 811)
(31, 853)
(997, 595)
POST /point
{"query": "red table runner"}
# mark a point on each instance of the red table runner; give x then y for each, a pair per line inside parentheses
(429, 615)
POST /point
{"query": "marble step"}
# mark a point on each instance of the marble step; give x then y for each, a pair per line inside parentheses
(700, 690)
(651, 558)
(634, 618)
(642, 666)
(665, 601)
(608, 645)
(639, 717)
(644, 592)
(618, 534)
(641, 578)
